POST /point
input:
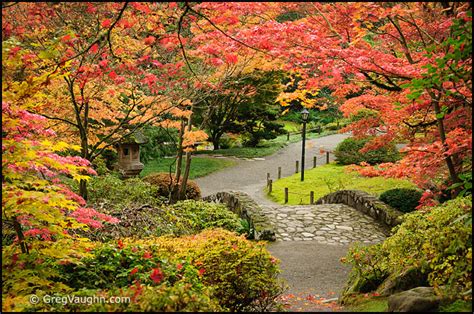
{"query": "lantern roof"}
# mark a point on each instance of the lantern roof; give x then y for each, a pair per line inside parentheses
(135, 138)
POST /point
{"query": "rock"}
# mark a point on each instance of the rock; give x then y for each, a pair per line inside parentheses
(420, 299)
(344, 228)
(407, 279)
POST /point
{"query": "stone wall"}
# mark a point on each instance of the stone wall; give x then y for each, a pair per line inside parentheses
(366, 203)
(244, 206)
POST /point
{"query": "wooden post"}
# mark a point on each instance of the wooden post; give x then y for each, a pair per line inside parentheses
(279, 172)
(297, 166)
(268, 176)
(327, 157)
(314, 161)
(311, 197)
(286, 195)
(269, 186)
(288, 136)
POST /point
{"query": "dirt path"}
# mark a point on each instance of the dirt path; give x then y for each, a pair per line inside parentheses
(312, 270)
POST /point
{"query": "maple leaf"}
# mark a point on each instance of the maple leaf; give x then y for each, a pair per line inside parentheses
(149, 40)
(156, 275)
(106, 23)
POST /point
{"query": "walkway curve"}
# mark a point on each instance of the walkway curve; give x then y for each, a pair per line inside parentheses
(311, 239)
(250, 176)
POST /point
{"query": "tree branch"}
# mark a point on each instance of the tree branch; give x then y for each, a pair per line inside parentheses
(220, 30)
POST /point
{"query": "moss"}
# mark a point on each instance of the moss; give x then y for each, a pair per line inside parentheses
(370, 305)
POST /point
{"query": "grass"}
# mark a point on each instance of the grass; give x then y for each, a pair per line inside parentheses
(265, 148)
(327, 179)
(199, 166)
(371, 304)
(457, 306)
(290, 126)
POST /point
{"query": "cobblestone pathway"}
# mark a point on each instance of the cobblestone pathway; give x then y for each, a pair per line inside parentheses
(335, 224)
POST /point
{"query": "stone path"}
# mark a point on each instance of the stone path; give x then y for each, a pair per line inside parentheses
(335, 224)
(310, 239)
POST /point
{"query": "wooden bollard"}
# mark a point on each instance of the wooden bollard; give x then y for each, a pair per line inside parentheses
(268, 176)
(311, 197)
(288, 136)
(286, 195)
(297, 166)
(279, 172)
(327, 157)
(314, 161)
(270, 186)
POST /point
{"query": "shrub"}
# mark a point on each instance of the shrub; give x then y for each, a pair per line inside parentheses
(213, 271)
(403, 199)
(163, 182)
(116, 194)
(229, 140)
(242, 274)
(348, 152)
(332, 126)
(199, 215)
(437, 243)
(152, 282)
(183, 218)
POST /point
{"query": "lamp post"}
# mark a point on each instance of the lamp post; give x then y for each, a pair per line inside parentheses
(304, 116)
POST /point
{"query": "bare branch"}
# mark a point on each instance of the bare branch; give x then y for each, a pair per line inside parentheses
(220, 30)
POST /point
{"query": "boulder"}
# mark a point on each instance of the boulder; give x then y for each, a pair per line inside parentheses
(407, 279)
(420, 299)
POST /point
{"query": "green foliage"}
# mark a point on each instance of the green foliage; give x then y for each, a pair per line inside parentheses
(329, 178)
(227, 141)
(438, 243)
(183, 218)
(403, 199)
(242, 274)
(457, 306)
(348, 152)
(118, 194)
(465, 184)
(247, 106)
(161, 143)
(333, 126)
(100, 166)
(261, 150)
(215, 266)
(164, 183)
(199, 166)
(289, 16)
(152, 282)
(366, 303)
(198, 215)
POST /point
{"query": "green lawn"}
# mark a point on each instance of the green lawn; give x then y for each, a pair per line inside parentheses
(371, 304)
(330, 178)
(200, 166)
(263, 149)
(290, 126)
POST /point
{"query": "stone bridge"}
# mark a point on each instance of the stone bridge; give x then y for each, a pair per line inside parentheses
(338, 218)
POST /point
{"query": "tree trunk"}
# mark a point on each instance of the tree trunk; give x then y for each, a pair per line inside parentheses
(442, 134)
(85, 155)
(184, 182)
(174, 188)
(215, 138)
(182, 189)
(83, 189)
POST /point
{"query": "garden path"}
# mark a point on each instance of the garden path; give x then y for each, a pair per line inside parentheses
(311, 239)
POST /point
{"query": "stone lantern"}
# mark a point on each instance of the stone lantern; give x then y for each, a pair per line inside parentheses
(129, 155)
